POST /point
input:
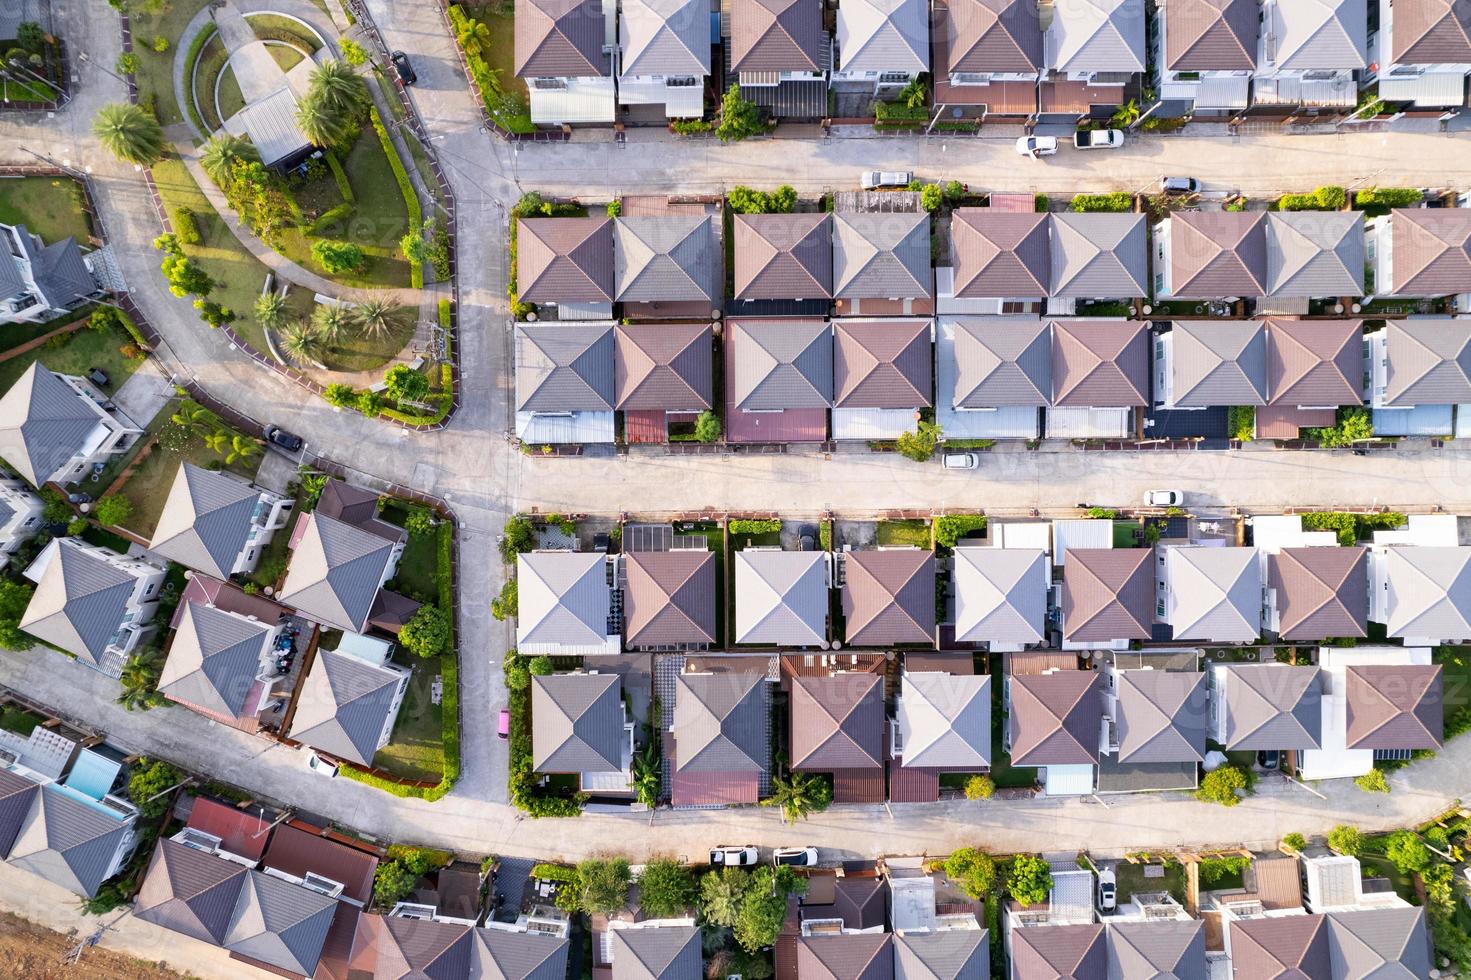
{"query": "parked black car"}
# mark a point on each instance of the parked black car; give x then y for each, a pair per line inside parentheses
(288, 441)
(405, 70)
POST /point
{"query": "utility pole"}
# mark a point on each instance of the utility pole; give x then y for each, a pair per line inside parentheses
(74, 954)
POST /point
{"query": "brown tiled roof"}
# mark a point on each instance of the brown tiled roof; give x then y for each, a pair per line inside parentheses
(1431, 32)
(1040, 661)
(1431, 249)
(852, 956)
(669, 598)
(883, 364)
(783, 256)
(993, 36)
(1211, 35)
(296, 852)
(1322, 593)
(557, 38)
(1275, 881)
(776, 35)
(1100, 363)
(837, 722)
(1108, 594)
(347, 503)
(1315, 362)
(913, 784)
(1396, 706)
(335, 962)
(1000, 253)
(242, 832)
(1059, 953)
(714, 788)
(565, 260)
(662, 366)
(889, 597)
(1056, 718)
(860, 901)
(1280, 948)
(1216, 254)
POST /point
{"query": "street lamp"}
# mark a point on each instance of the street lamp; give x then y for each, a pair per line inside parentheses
(85, 58)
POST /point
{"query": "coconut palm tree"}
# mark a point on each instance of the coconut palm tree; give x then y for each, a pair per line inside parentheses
(222, 151)
(339, 88)
(474, 36)
(270, 310)
(302, 344)
(331, 321)
(129, 133)
(140, 681)
(377, 315)
(242, 448)
(196, 418)
(321, 125)
(800, 794)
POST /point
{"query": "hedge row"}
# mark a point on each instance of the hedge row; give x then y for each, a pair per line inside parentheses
(344, 186)
(406, 187)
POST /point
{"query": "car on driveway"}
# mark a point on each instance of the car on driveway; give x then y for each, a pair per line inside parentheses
(1180, 185)
(873, 180)
(734, 855)
(1098, 139)
(405, 70)
(321, 766)
(1036, 146)
(959, 461)
(1108, 893)
(1164, 498)
(289, 441)
(794, 857)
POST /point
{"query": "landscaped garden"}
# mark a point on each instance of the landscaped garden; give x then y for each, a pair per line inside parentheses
(108, 348)
(51, 207)
(486, 33)
(415, 750)
(32, 69)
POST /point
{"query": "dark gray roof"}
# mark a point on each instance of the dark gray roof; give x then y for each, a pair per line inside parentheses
(1219, 363)
(1315, 253)
(667, 259)
(343, 706)
(499, 955)
(12, 283)
(1162, 716)
(80, 601)
(1099, 255)
(781, 364)
(1429, 362)
(721, 721)
(206, 520)
(190, 891)
(577, 723)
(664, 37)
(657, 953)
(1379, 943)
(564, 367)
(214, 658)
(1002, 361)
(882, 256)
(43, 424)
(951, 954)
(335, 573)
(15, 802)
(61, 274)
(67, 842)
(1272, 706)
(1169, 949)
(280, 923)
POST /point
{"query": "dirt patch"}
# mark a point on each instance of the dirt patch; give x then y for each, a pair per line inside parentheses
(37, 953)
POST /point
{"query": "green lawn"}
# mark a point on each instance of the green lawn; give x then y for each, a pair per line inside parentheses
(1130, 879)
(25, 91)
(275, 27)
(78, 352)
(1455, 667)
(1378, 867)
(501, 54)
(285, 56)
(1123, 534)
(415, 750)
(206, 72)
(49, 206)
(415, 577)
(14, 718)
(148, 487)
(230, 100)
(899, 534)
(155, 76)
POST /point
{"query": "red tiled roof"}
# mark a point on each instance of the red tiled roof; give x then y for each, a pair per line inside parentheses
(296, 852)
(242, 832)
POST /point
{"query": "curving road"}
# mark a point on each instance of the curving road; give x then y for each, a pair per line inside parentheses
(474, 467)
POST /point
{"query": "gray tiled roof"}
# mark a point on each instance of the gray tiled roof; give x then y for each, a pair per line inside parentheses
(67, 842)
(190, 891)
(1384, 942)
(946, 720)
(665, 37)
(1315, 253)
(344, 705)
(62, 275)
(781, 598)
(667, 259)
(1099, 255)
(1097, 35)
(1272, 706)
(1217, 593)
(499, 955)
(1219, 363)
(1429, 591)
(781, 364)
(783, 256)
(1429, 362)
(1000, 595)
(15, 803)
(1002, 361)
(949, 954)
(335, 573)
(206, 520)
(564, 367)
(280, 923)
(846, 956)
(720, 722)
(563, 598)
(657, 953)
(1324, 34)
(1073, 952)
(884, 35)
(1162, 716)
(576, 723)
(80, 601)
(417, 948)
(1162, 949)
(214, 658)
(43, 424)
(1000, 253)
(882, 256)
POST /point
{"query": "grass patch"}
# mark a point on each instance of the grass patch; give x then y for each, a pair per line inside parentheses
(95, 535)
(148, 486)
(1131, 881)
(415, 750)
(416, 568)
(231, 99)
(1455, 672)
(285, 56)
(19, 720)
(274, 27)
(207, 70)
(1379, 867)
(49, 206)
(26, 91)
(1002, 772)
(155, 75)
(79, 352)
(1123, 534)
(902, 534)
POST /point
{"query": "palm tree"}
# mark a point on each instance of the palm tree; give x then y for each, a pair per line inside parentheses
(474, 36)
(242, 448)
(1127, 114)
(140, 681)
(646, 776)
(217, 440)
(302, 344)
(196, 418)
(222, 151)
(339, 88)
(270, 310)
(129, 133)
(799, 794)
(331, 321)
(377, 315)
(321, 125)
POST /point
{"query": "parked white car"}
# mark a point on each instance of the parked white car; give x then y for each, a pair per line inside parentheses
(794, 857)
(734, 855)
(879, 179)
(1164, 498)
(1098, 139)
(959, 461)
(1107, 891)
(1036, 146)
(320, 766)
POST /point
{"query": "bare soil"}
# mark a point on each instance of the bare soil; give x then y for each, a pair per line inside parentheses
(36, 953)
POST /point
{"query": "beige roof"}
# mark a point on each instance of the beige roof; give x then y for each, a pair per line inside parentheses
(1002, 254)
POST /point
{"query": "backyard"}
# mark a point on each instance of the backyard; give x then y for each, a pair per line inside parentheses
(50, 207)
(1131, 879)
(77, 353)
(148, 486)
(415, 750)
(415, 577)
(903, 534)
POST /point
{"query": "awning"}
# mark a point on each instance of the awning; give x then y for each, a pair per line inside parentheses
(1437, 89)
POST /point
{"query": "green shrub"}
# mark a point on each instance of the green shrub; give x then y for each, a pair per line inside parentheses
(1041, 203)
(337, 257)
(1389, 197)
(113, 510)
(1296, 842)
(328, 219)
(755, 527)
(740, 118)
(952, 527)
(427, 633)
(973, 870)
(919, 445)
(744, 200)
(1407, 851)
(930, 197)
(1242, 422)
(1346, 840)
(1351, 528)
(1217, 869)
(184, 226)
(1354, 424)
(1373, 781)
(352, 52)
(1118, 201)
(1030, 880)
(979, 787)
(707, 427)
(517, 538)
(1325, 198)
(1222, 786)
(340, 395)
(900, 112)
(691, 127)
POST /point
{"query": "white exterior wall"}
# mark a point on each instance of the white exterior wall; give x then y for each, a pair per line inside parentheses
(114, 433)
(679, 101)
(24, 523)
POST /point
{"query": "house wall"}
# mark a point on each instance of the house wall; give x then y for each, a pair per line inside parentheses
(24, 522)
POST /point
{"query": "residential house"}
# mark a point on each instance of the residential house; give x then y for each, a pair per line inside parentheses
(1144, 940)
(669, 599)
(1422, 51)
(1379, 702)
(1421, 594)
(988, 53)
(668, 266)
(653, 950)
(1211, 595)
(579, 726)
(888, 597)
(881, 263)
(937, 930)
(564, 52)
(1419, 370)
(1155, 715)
(565, 604)
(1000, 261)
(1107, 597)
(1315, 253)
(301, 854)
(840, 931)
(1309, 54)
(350, 700)
(338, 568)
(780, 380)
(1206, 51)
(663, 374)
(1270, 706)
(783, 257)
(837, 726)
(20, 517)
(1271, 886)
(883, 45)
(1056, 724)
(779, 55)
(565, 383)
(781, 597)
(566, 265)
(58, 427)
(216, 523)
(1317, 593)
(664, 56)
(1201, 364)
(1094, 49)
(993, 376)
(1314, 367)
(1422, 253)
(1335, 883)
(1099, 256)
(719, 748)
(882, 376)
(92, 602)
(1001, 596)
(221, 663)
(1100, 377)
(941, 723)
(389, 946)
(1059, 935)
(1211, 255)
(39, 282)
